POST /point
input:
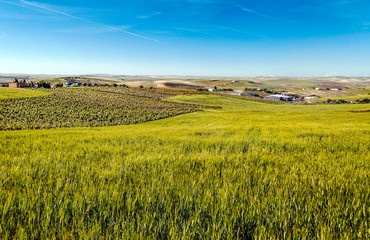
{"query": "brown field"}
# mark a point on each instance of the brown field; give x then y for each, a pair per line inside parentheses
(323, 93)
(177, 84)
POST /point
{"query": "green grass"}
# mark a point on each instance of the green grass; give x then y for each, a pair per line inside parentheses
(363, 91)
(348, 98)
(9, 93)
(223, 100)
(323, 93)
(247, 171)
(55, 80)
(230, 103)
(353, 97)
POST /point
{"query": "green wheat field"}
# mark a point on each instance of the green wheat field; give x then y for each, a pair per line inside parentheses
(235, 170)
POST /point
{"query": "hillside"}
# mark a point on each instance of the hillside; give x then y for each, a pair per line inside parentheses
(248, 170)
(86, 107)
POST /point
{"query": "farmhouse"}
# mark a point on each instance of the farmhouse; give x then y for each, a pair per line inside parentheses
(212, 90)
(17, 85)
(279, 97)
(238, 93)
(319, 88)
(68, 84)
(309, 96)
(336, 89)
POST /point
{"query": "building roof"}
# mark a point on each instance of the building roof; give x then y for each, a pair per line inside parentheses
(280, 95)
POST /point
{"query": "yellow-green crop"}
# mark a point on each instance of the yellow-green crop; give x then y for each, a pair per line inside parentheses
(6, 93)
(247, 171)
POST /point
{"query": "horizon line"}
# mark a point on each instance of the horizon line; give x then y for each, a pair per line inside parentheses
(175, 75)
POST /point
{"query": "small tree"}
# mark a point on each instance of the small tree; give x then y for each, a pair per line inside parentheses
(43, 84)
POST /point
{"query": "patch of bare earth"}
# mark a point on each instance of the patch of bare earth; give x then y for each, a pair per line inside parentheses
(177, 84)
(324, 93)
(140, 83)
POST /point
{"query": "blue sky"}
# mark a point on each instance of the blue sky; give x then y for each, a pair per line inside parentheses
(186, 37)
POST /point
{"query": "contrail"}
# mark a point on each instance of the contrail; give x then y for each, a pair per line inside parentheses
(16, 4)
(55, 11)
(254, 12)
(78, 18)
(88, 21)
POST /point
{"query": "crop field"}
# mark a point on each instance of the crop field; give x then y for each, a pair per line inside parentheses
(359, 91)
(283, 83)
(247, 170)
(348, 98)
(6, 93)
(215, 101)
(84, 108)
(55, 80)
(156, 93)
(324, 93)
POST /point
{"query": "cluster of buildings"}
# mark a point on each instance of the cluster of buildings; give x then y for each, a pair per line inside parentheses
(333, 89)
(273, 97)
(17, 84)
(280, 97)
(69, 84)
(290, 98)
(277, 96)
(23, 84)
